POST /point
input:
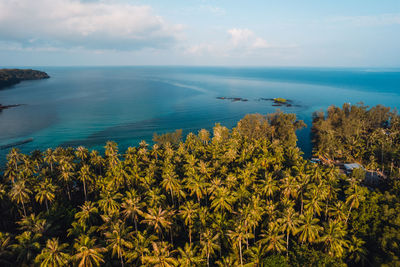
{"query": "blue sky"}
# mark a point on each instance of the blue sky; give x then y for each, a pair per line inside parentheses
(351, 33)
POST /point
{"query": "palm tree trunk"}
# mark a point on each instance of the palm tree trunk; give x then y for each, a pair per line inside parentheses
(172, 238)
(84, 189)
(47, 207)
(190, 236)
(122, 261)
(287, 244)
(23, 206)
(134, 219)
(240, 252)
(69, 193)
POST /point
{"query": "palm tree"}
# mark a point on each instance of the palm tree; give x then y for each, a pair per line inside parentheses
(188, 256)
(272, 240)
(33, 223)
(50, 158)
(53, 254)
(82, 153)
(26, 248)
(13, 158)
(355, 196)
(222, 200)
(161, 256)
(268, 186)
(108, 202)
(132, 206)
(196, 186)
(66, 172)
(45, 192)
(96, 160)
(111, 153)
(87, 253)
(209, 244)
(20, 193)
(142, 242)
(188, 213)
(5, 247)
(170, 182)
(289, 224)
(87, 210)
(333, 238)
(237, 237)
(255, 256)
(309, 228)
(158, 219)
(357, 253)
(85, 176)
(117, 240)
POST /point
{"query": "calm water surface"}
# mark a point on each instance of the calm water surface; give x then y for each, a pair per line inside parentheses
(88, 106)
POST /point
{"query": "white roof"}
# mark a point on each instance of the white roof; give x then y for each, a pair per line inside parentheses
(352, 166)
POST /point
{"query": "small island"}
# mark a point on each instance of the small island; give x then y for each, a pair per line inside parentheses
(9, 77)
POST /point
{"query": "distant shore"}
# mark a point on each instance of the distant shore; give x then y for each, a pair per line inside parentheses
(10, 77)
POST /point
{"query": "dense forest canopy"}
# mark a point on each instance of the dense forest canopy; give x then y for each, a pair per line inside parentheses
(234, 197)
(370, 136)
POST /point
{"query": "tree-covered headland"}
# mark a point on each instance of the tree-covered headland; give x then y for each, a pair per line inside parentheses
(234, 197)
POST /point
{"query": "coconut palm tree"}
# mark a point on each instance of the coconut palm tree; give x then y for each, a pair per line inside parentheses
(82, 153)
(132, 206)
(45, 192)
(334, 238)
(309, 229)
(289, 223)
(158, 219)
(161, 256)
(87, 210)
(88, 254)
(209, 244)
(50, 158)
(85, 177)
(189, 256)
(142, 243)
(53, 254)
(117, 240)
(33, 223)
(357, 252)
(109, 202)
(238, 236)
(272, 240)
(26, 248)
(5, 249)
(355, 195)
(222, 200)
(20, 194)
(188, 213)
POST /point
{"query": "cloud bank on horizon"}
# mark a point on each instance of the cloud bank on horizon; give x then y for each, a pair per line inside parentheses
(199, 32)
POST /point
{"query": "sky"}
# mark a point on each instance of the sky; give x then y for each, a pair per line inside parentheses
(311, 33)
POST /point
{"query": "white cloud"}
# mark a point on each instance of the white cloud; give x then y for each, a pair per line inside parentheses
(241, 42)
(88, 24)
(245, 39)
(366, 21)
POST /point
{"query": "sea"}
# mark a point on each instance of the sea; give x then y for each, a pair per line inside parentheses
(89, 106)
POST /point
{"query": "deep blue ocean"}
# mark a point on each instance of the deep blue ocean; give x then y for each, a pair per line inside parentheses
(91, 105)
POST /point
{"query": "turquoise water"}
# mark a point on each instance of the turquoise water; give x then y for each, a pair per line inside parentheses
(90, 105)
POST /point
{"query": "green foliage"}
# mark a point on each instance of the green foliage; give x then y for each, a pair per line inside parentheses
(236, 197)
(172, 138)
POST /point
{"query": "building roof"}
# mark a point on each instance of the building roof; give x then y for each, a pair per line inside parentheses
(352, 166)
